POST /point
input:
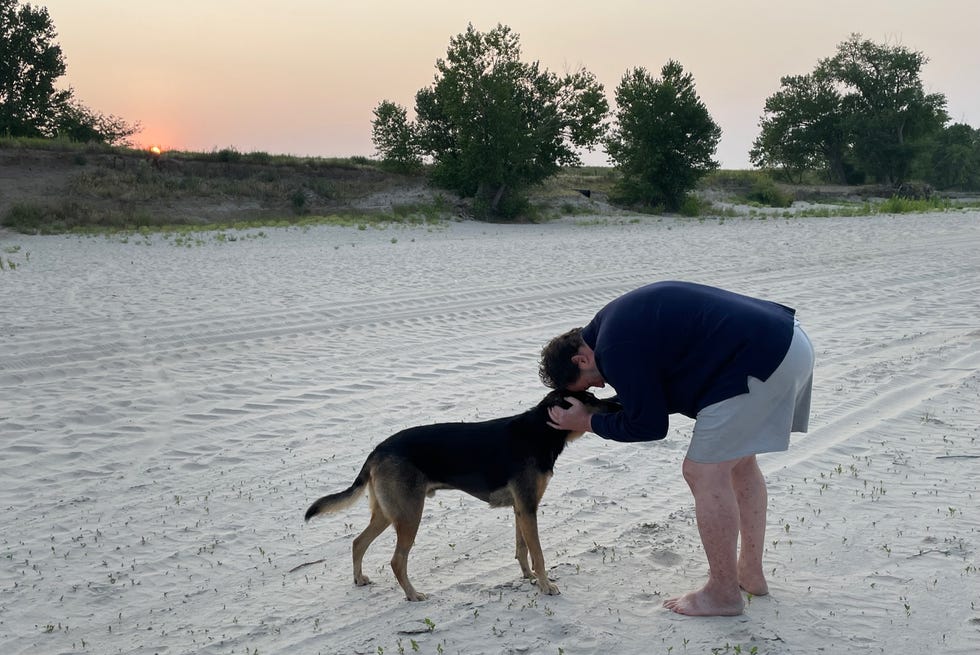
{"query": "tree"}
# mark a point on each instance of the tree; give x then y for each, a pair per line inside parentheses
(494, 125)
(803, 129)
(664, 138)
(30, 62)
(888, 111)
(952, 159)
(76, 122)
(864, 109)
(394, 138)
(30, 105)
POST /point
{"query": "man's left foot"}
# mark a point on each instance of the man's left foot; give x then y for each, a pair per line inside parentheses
(753, 583)
(701, 603)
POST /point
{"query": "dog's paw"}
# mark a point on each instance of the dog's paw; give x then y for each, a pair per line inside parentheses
(415, 596)
(548, 587)
(362, 580)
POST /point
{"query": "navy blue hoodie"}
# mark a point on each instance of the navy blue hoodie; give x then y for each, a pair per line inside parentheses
(677, 347)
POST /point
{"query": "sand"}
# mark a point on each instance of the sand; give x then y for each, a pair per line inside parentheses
(167, 413)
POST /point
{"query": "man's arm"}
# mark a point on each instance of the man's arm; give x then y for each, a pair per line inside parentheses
(644, 416)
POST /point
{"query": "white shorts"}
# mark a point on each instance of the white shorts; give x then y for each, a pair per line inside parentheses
(761, 420)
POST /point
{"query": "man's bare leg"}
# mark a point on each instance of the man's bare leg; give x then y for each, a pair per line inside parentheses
(752, 498)
(716, 509)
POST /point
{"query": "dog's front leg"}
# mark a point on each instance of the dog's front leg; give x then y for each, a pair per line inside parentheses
(521, 554)
(527, 523)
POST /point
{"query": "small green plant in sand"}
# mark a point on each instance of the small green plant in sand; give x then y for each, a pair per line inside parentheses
(736, 649)
(10, 262)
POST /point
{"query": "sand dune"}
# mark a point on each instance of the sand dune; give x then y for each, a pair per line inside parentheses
(167, 414)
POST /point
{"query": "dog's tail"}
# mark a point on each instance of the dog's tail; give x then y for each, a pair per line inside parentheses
(342, 500)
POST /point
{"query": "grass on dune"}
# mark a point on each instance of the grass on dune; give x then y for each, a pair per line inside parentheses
(115, 189)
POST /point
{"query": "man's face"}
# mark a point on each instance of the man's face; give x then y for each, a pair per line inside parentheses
(589, 375)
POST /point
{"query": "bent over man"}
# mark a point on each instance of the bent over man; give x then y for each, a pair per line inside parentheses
(740, 366)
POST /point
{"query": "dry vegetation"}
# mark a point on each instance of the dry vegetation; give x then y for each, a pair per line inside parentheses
(51, 187)
(58, 189)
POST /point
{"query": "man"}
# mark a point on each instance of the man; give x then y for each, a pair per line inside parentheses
(742, 367)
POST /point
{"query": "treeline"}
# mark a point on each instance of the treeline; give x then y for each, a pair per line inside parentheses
(490, 125)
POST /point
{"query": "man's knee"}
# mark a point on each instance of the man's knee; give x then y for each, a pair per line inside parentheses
(698, 474)
(690, 472)
(746, 467)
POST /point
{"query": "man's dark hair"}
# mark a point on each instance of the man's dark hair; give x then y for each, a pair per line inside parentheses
(557, 370)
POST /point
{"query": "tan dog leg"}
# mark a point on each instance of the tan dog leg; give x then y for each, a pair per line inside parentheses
(406, 530)
(521, 554)
(527, 523)
(377, 525)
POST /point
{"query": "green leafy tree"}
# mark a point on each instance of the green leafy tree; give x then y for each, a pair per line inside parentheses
(76, 122)
(952, 159)
(394, 138)
(803, 129)
(30, 62)
(664, 139)
(861, 112)
(30, 104)
(889, 113)
(494, 125)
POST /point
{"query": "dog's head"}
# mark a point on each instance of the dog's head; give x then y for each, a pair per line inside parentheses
(540, 419)
(557, 398)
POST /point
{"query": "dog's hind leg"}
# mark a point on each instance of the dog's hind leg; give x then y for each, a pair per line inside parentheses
(406, 514)
(406, 528)
(379, 522)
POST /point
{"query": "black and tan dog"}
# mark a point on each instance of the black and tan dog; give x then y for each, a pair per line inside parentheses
(505, 462)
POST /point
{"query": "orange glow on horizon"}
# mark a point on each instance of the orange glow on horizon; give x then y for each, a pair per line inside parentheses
(155, 137)
(155, 150)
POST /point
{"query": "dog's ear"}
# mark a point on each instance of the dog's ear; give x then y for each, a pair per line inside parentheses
(558, 397)
(593, 404)
(555, 398)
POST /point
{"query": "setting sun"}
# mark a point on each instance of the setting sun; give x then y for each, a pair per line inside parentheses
(155, 150)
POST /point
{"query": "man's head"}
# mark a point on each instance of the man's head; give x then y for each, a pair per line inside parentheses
(567, 363)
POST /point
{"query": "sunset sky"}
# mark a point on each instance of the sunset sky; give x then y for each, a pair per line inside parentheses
(302, 76)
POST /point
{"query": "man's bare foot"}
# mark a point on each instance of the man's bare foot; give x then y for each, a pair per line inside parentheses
(701, 603)
(753, 582)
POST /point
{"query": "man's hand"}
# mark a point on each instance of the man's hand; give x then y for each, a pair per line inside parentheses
(576, 418)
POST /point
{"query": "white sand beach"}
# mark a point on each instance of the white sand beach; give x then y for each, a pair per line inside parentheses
(168, 412)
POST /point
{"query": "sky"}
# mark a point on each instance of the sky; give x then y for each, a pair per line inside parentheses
(302, 77)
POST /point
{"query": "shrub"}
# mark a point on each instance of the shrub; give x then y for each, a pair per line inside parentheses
(228, 155)
(298, 200)
(899, 205)
(25, 217)
(765, 192)
(690, 206)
